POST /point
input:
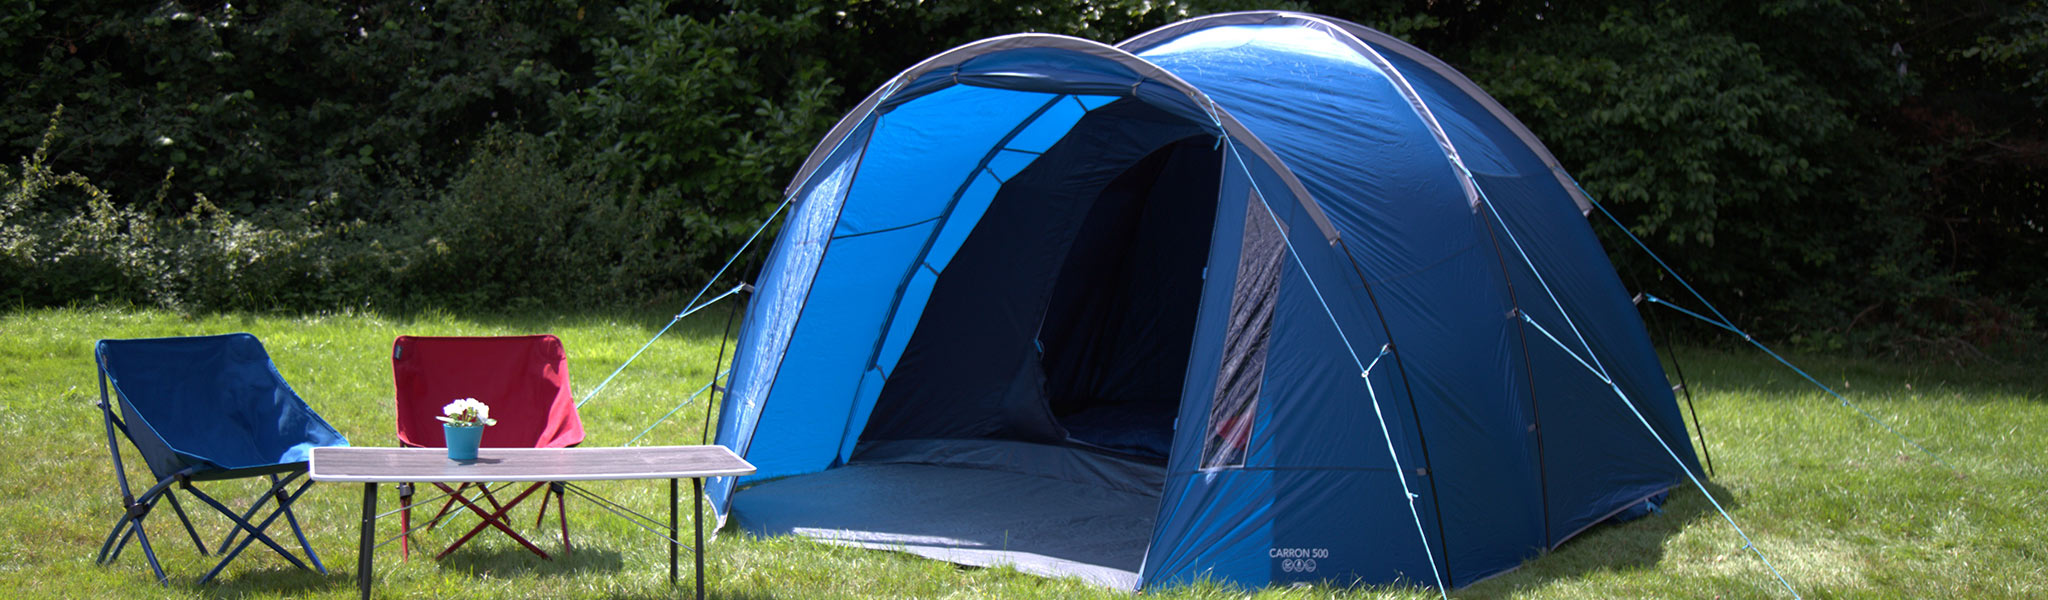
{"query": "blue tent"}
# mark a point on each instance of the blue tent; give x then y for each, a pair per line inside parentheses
(1103, 311)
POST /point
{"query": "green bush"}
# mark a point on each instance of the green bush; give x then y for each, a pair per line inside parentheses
(519, 226)
(63, 239)
(1748, 161)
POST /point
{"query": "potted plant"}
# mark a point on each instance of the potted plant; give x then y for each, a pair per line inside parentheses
(462, 426)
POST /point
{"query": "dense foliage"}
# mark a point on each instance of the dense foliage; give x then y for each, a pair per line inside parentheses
(1802, 158)
(1868, 174)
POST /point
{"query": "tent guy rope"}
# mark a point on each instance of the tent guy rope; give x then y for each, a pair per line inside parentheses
(1600, 371)
(788, 198)
(693, 305)
(1802, 373)
(1722, 321)
(671, 412)
(1540, 280)
(1747, 543)
(1364, 372)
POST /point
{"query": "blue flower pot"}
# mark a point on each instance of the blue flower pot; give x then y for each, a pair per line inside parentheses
(462, 441)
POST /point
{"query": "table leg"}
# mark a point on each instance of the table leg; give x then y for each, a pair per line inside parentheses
(368, 545)
(672, 543)
(697, 493)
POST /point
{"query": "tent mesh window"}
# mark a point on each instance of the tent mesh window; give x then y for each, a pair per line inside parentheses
(1235, 404)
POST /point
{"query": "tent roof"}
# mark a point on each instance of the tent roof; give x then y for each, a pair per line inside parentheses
(1376, 39)
(1088, 67)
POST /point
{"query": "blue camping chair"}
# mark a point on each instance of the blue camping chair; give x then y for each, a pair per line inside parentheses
(204, 409)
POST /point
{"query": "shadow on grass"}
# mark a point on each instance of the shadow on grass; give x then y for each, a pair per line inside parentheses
(517, 561)
(498, 562)
(1608, 547)
(268, 582)
(686, 589)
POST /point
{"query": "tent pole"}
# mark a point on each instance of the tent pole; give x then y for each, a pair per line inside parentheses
(704, 433)
(1699, 428)
(1529, 370)
(1442, 540)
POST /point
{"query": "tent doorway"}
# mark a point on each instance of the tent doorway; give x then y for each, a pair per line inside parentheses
(1121, 320)
(1067, 314)
(1029, 419)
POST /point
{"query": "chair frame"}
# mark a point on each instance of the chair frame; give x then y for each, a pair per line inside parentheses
(495, 516)
(136, 508)
(497, 513)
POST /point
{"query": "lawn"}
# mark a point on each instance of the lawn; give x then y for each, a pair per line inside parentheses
(1841, 507)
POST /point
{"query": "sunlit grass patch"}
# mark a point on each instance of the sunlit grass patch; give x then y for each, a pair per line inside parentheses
(1841, 506)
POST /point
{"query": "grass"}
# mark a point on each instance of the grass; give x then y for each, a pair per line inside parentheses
(1839, 505)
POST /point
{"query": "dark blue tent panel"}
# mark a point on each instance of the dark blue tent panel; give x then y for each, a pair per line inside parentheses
(1047, 266)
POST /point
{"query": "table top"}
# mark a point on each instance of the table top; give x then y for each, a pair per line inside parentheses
(359, 464)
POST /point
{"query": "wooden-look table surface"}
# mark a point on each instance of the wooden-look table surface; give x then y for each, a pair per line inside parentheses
(390, 465)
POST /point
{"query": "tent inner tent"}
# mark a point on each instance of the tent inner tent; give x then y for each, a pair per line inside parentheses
(1103, 312)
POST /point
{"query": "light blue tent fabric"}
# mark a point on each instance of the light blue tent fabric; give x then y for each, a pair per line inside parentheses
(1158, 268)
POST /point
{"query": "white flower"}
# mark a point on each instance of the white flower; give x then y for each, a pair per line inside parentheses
(467, 412)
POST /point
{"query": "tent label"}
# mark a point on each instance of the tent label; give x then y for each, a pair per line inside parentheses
(1298, 560)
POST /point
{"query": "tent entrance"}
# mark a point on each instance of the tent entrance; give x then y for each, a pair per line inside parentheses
(1120, 319)
(1029, 417)
(1067, 314)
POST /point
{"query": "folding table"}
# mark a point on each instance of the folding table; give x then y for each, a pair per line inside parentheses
(371, 466)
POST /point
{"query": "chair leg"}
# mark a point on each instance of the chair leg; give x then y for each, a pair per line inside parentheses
(561, 512)
(180, 510)
(286, 506)
(493, 498)
(542, 516)
(130, 522)
(126, 528)
(447, 504)
(255, 531)
(142, 537)
(120, 526)
(554, 493)
(122, 531)
(254, 505)
(495, 518)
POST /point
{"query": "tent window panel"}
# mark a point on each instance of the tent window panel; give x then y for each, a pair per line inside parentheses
(1235, 404)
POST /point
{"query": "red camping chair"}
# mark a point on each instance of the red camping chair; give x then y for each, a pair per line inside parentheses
(525, 381)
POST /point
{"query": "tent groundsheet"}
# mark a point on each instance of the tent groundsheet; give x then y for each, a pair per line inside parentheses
(977, 508)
